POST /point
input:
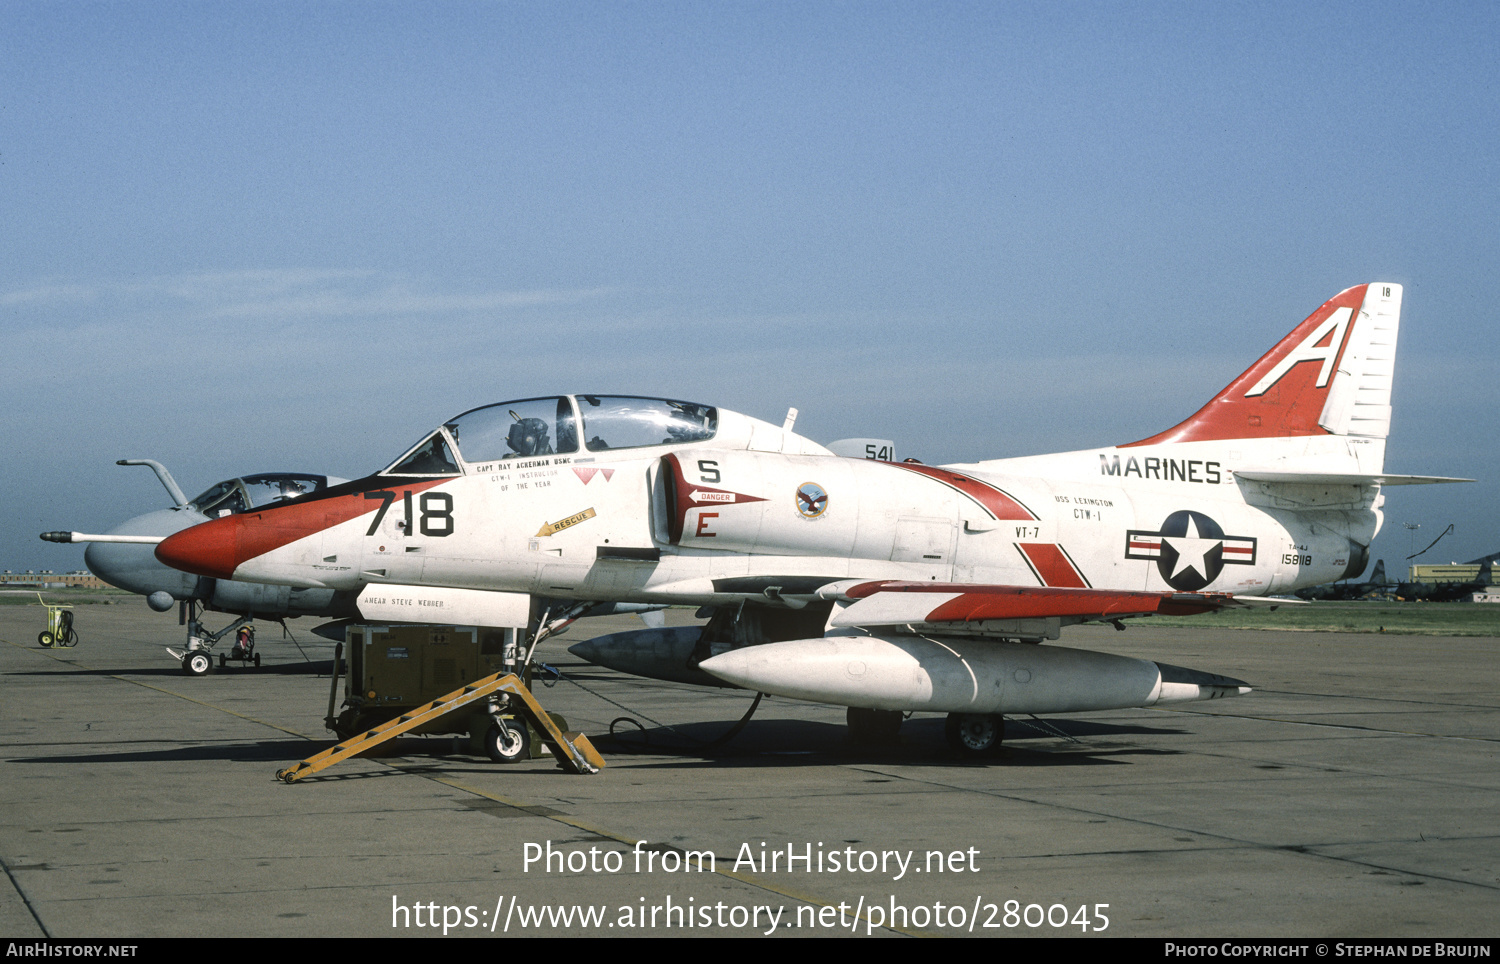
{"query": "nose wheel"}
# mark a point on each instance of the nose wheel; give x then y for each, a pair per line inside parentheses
(975, 734)
(198, 658)
(507, 741)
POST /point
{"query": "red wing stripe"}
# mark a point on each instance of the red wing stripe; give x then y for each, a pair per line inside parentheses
(1031, 602)
(1023, 604)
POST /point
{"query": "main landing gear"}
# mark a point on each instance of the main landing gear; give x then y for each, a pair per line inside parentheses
(975, 734)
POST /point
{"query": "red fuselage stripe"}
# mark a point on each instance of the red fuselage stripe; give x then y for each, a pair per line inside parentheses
(1054, 568)
(998, 504)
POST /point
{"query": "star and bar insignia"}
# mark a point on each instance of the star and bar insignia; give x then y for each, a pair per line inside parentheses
(1190, 549)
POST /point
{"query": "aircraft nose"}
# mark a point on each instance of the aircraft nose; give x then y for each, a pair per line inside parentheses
(133, 567)
(209, 549)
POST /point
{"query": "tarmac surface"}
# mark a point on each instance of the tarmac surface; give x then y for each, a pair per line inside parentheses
(1356, 793)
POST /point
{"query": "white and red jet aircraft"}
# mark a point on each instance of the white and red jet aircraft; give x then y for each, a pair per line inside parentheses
(885, 587)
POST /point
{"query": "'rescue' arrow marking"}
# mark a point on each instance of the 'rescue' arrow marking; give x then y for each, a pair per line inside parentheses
(572, 520)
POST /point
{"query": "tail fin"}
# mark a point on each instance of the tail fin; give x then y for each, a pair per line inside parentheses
(1330, 376)
(1378, 576)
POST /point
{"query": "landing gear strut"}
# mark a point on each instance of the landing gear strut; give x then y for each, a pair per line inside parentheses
(975, 734)
(201, 643)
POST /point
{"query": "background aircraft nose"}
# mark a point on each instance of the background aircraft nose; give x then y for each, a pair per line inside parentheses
(210, 549)
(134, 567)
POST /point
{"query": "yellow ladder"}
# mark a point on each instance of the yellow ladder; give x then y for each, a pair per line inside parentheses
(573, 750)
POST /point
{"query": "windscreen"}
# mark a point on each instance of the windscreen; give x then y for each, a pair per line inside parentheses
(430, 457)
(238, 495)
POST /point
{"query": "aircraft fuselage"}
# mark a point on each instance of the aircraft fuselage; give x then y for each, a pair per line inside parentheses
(705, 525)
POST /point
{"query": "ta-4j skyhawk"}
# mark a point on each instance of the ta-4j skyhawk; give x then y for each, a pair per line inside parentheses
(887, 587)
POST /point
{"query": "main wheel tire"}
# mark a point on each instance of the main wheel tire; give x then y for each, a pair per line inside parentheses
(873, 727)
(46, 638)
(197, 664)
(975, 734)
(507, 742)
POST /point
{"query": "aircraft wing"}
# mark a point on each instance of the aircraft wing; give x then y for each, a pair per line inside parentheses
(1008, 610)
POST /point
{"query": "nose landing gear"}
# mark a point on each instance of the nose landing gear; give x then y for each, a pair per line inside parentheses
(201, 643)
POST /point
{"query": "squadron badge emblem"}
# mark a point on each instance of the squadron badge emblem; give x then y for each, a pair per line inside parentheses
(811, 500)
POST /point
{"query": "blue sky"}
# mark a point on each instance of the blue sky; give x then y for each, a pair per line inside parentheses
(264, 236)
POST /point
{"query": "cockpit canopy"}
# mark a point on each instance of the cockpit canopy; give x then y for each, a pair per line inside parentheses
(552, 425)
(255, 491)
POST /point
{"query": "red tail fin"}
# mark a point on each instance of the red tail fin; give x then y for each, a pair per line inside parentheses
(1330, 376)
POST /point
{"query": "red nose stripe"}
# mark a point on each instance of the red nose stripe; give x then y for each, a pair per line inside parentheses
(218, 547)
(209, 549)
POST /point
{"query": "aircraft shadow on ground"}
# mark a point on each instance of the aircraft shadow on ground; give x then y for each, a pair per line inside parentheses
(168, 669)
(783, 743)
(766, 743)
(269, 751)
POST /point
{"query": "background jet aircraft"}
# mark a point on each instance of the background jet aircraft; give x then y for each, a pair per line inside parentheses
(884, 587)
(1349, 590)
(1447, 591)
(133, 566)
(1451, 591)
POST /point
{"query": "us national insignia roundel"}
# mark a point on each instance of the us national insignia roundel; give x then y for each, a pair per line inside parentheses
(1190, 549)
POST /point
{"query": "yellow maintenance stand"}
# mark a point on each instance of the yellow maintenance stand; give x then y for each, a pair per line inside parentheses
(573, 751)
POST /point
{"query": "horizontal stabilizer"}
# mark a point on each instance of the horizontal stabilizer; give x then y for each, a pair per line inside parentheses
(1341, 478)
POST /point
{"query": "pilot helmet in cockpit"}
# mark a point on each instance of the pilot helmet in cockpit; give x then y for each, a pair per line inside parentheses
(528, 436)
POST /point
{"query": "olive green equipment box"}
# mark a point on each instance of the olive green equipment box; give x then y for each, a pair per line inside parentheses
(395, 669)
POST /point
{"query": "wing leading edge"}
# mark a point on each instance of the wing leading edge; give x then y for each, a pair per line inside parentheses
(1013, 611)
